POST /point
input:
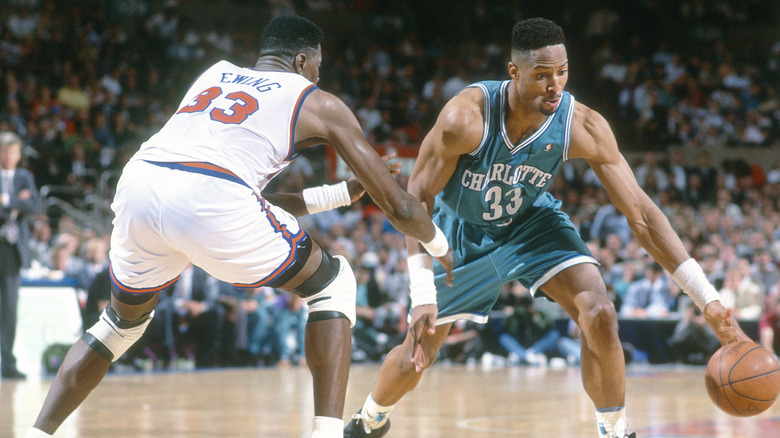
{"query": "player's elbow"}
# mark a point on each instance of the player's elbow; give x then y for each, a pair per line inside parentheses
(399, 212)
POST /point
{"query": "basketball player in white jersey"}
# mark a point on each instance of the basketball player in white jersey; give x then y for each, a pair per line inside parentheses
(192, 193)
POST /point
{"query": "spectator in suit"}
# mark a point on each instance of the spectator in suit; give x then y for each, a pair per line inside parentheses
(95, 261)
(648, 297)
(98, 297)
(19, 202)
(198, 315)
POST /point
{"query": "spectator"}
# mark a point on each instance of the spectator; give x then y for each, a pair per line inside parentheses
(609, 220)
(40, 245)
(692, 341)
(64, 265)
(742, 294)
(650, 175)
(95, 261)
(198, 317)
(463, 344)
(769, 323)
(247, 323)
(528, 334)
(648, 297)
(291, 317)
(367, 342)
(98, 297)
(764, 269)
(18, 203)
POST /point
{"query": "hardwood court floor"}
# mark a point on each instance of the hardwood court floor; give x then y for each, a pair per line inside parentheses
(452, 401)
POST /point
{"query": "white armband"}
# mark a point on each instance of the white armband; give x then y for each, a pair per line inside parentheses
(690, 277)
(326, 197)
(438, 246)
(423, 291)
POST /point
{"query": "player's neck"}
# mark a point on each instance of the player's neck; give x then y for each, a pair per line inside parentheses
(521, 121)
(273, 63)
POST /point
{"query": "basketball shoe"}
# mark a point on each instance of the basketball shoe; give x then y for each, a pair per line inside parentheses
(355, 429)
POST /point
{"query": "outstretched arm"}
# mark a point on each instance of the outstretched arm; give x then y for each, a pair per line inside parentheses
(593, 140)
(325, 119)
(295, 204)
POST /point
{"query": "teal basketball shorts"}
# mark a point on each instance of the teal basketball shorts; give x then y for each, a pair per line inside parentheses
(531, 250)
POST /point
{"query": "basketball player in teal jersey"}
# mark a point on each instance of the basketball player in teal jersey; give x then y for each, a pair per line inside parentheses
(483, 171)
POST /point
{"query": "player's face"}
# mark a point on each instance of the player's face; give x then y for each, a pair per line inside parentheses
(541, 77)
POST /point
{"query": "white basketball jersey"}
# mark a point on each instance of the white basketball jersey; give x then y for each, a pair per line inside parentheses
(237, 118)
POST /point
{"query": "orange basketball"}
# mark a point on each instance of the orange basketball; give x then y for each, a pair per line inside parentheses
(743, 379)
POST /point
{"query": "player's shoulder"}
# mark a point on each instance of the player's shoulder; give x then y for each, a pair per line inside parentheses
(465, 108)
(591, 134)
(222, 64)
(590, 121)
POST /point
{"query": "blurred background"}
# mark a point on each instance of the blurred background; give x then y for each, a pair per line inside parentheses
(689, 87)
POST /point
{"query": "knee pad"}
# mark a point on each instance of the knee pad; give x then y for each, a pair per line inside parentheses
(111, 336)
(336, 300)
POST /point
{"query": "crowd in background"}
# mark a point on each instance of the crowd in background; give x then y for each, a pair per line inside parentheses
(85, 84)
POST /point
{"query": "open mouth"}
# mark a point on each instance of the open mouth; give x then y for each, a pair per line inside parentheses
(553, 101)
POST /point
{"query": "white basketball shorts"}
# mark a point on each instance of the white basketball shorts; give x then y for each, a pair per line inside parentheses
(170, 214)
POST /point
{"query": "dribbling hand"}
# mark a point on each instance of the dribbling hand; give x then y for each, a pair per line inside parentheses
(721, 321)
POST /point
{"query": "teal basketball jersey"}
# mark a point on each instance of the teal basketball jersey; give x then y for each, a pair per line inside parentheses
(499, 219)
(500, 180)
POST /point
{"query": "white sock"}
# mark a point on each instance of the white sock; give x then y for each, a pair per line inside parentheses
(374, 415)
(328, 427)
(36, 433)
(611, 422)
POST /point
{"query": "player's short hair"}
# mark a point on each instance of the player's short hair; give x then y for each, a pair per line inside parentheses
(535, 33)
(289, 35)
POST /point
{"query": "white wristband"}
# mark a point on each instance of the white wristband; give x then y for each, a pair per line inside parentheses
(690, 277)
(326, 197)
(438, 246)
(423, 291)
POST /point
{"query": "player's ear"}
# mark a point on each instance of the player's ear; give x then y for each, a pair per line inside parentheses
(300, 61)
(514, 72)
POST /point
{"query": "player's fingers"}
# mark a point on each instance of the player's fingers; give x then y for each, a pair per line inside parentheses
(418, 358)
(388, 157)
(431, 323)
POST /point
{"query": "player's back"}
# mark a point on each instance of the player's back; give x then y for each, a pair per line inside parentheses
(237, 118)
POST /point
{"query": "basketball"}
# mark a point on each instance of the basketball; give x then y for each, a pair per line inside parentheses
(743, 379)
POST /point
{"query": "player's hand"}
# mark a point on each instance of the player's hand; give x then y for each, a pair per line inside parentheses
(423, 321)
(356, 190)
(446, 262)
(721, 321)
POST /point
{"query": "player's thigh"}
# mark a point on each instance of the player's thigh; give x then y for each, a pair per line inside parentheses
(141, 258)
(242, 239)
(577, 289)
